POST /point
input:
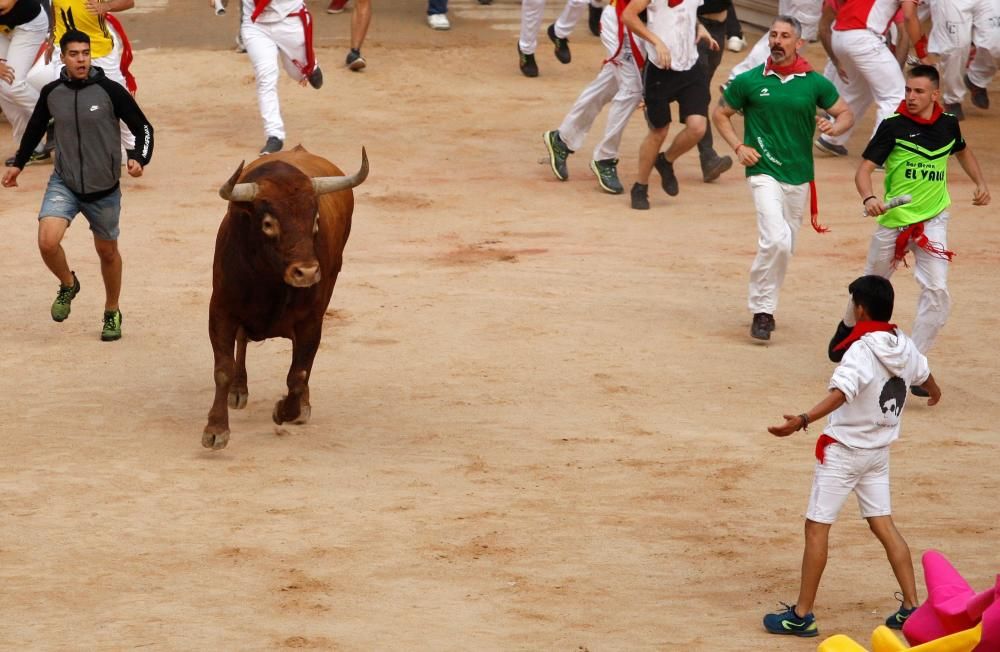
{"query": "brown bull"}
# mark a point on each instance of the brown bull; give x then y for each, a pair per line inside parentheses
(277, 256)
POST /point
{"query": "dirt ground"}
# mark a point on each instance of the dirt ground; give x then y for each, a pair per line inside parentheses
(538, 419)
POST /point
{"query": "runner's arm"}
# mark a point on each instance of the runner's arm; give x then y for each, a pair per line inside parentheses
(971, 166)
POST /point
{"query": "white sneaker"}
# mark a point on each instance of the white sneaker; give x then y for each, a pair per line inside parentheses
(736, 43)
(438, 21)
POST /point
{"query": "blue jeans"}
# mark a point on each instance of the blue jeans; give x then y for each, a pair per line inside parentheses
(437, 7)
(103, 214)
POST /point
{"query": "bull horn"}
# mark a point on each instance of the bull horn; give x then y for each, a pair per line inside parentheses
(323, 185)
(232, 191)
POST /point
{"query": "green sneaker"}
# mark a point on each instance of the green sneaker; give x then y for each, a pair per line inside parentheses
(112, 326)
(65, 296)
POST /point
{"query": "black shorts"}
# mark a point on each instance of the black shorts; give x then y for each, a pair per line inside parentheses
(688, 88)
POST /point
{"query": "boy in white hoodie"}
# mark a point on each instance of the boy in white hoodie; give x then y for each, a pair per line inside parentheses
(865, 401)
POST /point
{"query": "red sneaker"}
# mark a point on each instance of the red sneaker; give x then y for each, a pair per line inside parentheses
(336, 6)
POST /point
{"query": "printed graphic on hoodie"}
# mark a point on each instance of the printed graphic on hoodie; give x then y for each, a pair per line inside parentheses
(891, 399)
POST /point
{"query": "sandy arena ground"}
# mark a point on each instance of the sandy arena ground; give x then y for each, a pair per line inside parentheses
(538, 419)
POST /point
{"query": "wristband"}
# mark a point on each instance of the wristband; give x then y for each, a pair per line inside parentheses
(865, 200)
(805, 421)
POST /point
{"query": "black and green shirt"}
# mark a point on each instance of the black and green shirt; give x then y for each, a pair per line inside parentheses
(915, 156)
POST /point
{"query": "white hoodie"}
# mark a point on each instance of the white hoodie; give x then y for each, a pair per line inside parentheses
(875, 376)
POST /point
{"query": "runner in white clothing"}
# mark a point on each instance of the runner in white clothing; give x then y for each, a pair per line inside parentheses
(273, 30)
(619, 82)
(865, 401)
(872, 72)
(672, 74)
(558, 32)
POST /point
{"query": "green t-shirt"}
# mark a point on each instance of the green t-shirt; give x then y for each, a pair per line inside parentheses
(779, 119)
(915, 155)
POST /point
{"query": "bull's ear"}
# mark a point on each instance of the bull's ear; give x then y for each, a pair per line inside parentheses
(226, 190)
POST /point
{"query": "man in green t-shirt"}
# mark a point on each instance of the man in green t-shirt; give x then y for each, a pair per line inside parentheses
(914, 145)
(778, 101)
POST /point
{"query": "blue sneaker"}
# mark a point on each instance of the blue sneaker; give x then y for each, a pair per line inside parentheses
(788, 622)
(896, 620)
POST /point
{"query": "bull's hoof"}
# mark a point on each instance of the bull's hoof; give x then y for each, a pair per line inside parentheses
(304, 415)
(214, 440)
(282, 414)
(238, 398)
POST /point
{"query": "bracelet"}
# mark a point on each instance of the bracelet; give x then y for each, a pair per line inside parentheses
(805, 421)
(865, 200)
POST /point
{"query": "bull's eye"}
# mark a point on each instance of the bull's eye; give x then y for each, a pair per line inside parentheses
(270, 226)
(316, 224)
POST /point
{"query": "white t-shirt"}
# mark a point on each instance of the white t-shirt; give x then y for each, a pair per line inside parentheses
(277, 10)
(677, 27)
(875, 375)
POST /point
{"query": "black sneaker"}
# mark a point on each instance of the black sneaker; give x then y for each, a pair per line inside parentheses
(526, 62)
(316, 78)
(273, 144)
(760, 328)
(558, 153)
(355, 61)
(955, 110)
(980, 98)
(607, 175)
(919, 391)
(896, 620)
(789, 622)
(640, 197)
(44, 156)
(594, 19)
(666, 170)
(843, 330)
(713, 168)
(562, 45)
(824, 145)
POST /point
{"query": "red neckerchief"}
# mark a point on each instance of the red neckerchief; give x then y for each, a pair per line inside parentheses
(863, 328)
(258, 9)
(798, 66)
(902, 110)
(915, 232)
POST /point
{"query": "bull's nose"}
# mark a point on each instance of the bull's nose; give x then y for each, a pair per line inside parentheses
(302, 275)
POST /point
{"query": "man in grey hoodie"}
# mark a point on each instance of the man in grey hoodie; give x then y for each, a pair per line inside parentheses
(86, 108)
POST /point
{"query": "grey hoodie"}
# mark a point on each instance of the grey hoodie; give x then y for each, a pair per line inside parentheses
(87, 133)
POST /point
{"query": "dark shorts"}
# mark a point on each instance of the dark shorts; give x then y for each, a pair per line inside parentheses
(103, 214)
(688, 88)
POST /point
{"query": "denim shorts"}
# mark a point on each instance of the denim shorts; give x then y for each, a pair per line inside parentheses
(59, 201)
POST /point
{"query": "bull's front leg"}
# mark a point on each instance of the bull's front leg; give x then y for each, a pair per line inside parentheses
(295, 406)
(238, 391)
(222, 333)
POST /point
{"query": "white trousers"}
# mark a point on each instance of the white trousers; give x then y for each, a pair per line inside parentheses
(19, 48)
(983, 68)
(531, 21)
(806, 12)
(779, 215)
(873, 76)
(930, 272)
(111, 63)
(266, 44)
(618, 83)
(955, 26)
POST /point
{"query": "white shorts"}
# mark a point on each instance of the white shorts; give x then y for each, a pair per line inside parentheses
(863, 470)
